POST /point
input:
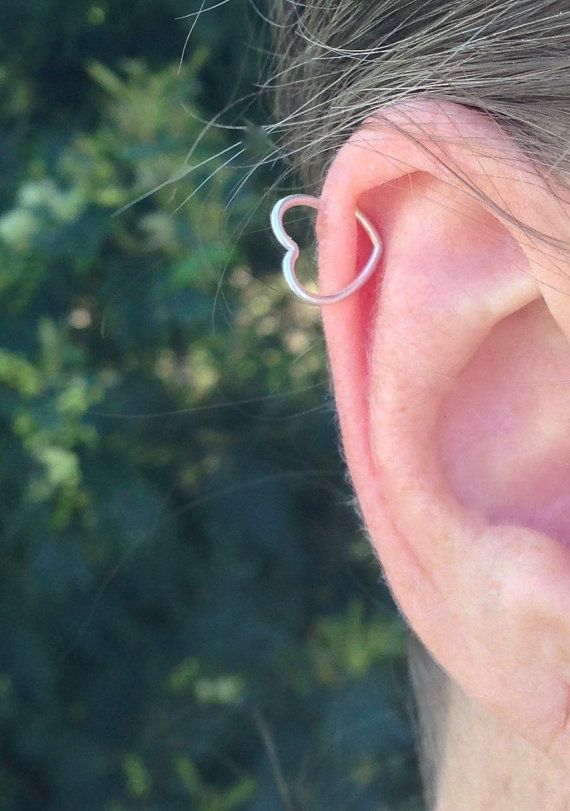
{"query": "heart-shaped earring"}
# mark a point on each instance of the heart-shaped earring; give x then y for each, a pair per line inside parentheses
(292, 251)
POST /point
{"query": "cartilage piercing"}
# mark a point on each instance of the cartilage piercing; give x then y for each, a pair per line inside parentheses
(292, 251)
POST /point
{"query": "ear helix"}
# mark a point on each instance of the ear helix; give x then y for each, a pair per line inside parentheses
(292, 251)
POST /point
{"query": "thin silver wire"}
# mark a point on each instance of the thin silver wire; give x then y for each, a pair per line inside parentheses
(292, 251)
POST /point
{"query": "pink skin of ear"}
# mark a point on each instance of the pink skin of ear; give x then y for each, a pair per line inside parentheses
(460, 466)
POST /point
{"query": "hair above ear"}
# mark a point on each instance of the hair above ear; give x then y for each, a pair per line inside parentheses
(508, 58)
(445, 372)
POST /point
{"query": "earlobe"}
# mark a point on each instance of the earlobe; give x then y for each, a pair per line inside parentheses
(455, 443)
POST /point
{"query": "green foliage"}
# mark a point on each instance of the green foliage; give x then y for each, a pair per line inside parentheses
(190, 616)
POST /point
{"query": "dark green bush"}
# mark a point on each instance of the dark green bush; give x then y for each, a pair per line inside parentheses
(190, 616)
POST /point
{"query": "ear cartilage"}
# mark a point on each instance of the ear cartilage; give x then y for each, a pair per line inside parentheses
(292, 251)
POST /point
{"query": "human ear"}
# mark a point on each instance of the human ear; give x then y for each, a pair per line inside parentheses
(451, 372)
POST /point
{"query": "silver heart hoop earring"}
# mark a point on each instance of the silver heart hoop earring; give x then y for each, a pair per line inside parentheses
(292, 251)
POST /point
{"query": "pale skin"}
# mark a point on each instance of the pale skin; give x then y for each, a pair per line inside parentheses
(451, 373)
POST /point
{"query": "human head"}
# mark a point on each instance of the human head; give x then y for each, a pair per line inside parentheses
(447, 124)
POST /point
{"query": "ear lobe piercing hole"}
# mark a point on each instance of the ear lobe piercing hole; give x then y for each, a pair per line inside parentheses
(292, 251)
